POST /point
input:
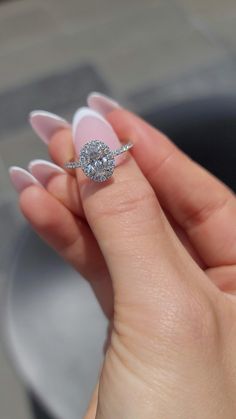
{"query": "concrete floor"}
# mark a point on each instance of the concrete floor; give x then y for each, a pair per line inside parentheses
(130, 48)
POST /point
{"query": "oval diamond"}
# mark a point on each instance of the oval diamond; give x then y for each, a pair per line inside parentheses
(97, 161)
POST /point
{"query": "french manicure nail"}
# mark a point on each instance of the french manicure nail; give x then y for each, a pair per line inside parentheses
(90, 125)
(45, 124)
(21, 179)
(43, 170)
(101, 103)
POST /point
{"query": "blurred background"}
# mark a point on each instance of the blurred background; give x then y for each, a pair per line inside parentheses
(149, 55)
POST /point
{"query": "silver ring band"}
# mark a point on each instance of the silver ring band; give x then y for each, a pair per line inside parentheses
(97, 160)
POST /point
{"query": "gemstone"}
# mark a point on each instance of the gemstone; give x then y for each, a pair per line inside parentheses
(97, 161)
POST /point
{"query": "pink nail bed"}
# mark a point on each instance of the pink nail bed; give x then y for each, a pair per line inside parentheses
(45, 124)
(89, 125)
(101, 103)
(43, 170)
(21, 179)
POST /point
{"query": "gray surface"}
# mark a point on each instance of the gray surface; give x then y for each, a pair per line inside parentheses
(13, 399)
(133, 43)
(203, 82)
(139, 48)
(65, 91)
(55, 328)
(13, 402)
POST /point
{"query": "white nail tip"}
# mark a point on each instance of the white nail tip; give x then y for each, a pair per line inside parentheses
(82, 113)
(36, 163)
(34, 114)
(16, 169)
(21, 178)
(105, 98)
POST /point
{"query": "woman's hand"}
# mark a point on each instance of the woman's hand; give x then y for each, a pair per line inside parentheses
(163, 233)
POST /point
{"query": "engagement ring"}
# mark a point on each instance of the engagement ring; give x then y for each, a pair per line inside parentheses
(97, 160)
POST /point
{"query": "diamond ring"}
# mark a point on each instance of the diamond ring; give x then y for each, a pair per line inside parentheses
(97, 160)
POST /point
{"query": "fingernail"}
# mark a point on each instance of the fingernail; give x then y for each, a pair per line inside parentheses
(43, 170)
(45, 124)
(90, 125)
(21, 179)
(101, 103)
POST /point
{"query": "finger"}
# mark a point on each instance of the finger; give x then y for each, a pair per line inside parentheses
(72, 240)
(223, 277)
(125, 218)
(70, 237)
(200, 203)
(182, 236)
(61, 147)
(59, 183)
(66, 189)
(59, 140)
(46, 125)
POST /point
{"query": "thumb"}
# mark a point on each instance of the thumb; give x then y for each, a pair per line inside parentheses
(141, 251)
(158, 298)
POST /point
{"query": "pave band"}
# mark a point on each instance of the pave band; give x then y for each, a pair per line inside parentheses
(97, 160)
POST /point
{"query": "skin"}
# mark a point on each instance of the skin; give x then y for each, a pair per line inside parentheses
(162, 234)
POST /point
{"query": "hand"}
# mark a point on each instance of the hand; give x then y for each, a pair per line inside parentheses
(163, 233)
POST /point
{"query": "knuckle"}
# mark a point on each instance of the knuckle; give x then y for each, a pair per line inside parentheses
(126, 197)
(197, 216)
(154, 170)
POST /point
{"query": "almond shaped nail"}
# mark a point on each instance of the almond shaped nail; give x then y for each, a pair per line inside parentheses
(45, 124)
(101, 103)
(21, 179)
(43, 170)
(90, 125)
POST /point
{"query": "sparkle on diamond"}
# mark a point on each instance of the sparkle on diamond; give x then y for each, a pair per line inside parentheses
(97, 161)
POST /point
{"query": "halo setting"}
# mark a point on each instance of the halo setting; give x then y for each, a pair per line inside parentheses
(97, 160)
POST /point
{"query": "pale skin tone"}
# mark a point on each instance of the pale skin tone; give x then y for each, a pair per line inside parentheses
(162, 235)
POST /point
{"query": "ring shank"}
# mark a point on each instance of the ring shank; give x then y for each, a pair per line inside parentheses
(72, 165)
(122, 149)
